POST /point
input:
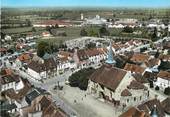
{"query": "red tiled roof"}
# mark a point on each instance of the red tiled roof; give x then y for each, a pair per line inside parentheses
(164, 75)
(152, 62)
(6, 71)
(125, 93)
(3, 49)
(17, 96)
(136, 85)
(134, 68)
(24, 57)
(133, 112)
(165, 57)
(149, 106)
(166, 105)
(54, 22)
(107, 76)
(139, 58)
(53, 111)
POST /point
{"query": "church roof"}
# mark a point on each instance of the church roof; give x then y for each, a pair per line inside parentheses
(108, 76)
(110, 59)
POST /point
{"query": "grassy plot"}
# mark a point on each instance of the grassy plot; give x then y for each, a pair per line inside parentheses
(17, 30)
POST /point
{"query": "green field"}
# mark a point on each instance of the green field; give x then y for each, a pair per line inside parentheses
(17, 30)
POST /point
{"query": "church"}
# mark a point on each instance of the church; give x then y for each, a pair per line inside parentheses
(116, 85)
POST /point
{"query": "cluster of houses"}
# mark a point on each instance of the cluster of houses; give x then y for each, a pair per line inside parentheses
(20, 98)
(128, 87)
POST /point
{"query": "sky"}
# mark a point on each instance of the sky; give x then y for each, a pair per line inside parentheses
(90, 3)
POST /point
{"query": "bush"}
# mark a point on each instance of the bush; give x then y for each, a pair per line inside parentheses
(127, 29)
(167, 91)
(83, 32)
(157, 88)
(80, 78)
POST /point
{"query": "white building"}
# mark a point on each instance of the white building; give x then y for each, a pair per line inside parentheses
(163, 80)
(65, 61)
(11, 82)
(40, 68)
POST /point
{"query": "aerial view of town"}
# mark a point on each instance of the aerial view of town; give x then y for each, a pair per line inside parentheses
(85, 58)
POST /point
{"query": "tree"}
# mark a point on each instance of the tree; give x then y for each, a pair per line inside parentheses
(154, 35)
(33, 29)
(56, 26)
(167, 91)
(157, 88)
(80, 78)
(48, 28)
(92, 33)
(157, 54)
(127, 29)
(83, 32)
(165, 65)
(103, 31)
(42, 48)
(28, 22)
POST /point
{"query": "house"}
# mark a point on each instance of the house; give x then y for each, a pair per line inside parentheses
(10, 108)
(152, 64)
(41, 69)
(150, 108)
(85, 57)
(163, 80)
(46, 34)
(41, 104)
(140, 58)
(32, 99)
(22, 60)
(3, 51)
(152, 105)
(65, 61)
(133, 112)
(10, 80)
(18, 97)
(134, 68)
(59, 23)
(95, 55)
(165, 104)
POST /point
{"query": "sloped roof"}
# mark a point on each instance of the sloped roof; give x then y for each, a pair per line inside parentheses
(126, 92)
(150, 105)
(166, 105)
(49, 64)
(136, 85)
(133, 112)
(164, 74)
(134, 68)
(108, 76)
(139, 58)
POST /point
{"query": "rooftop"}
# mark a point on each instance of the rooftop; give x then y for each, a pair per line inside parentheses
(108, 76)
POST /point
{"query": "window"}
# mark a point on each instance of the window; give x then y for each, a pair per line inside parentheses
(140, 97)
(134, 98)
(127, 100)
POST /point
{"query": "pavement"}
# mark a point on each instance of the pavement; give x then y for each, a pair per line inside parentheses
(84, 105)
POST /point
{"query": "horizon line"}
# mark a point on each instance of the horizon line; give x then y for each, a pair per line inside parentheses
(107, 7)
